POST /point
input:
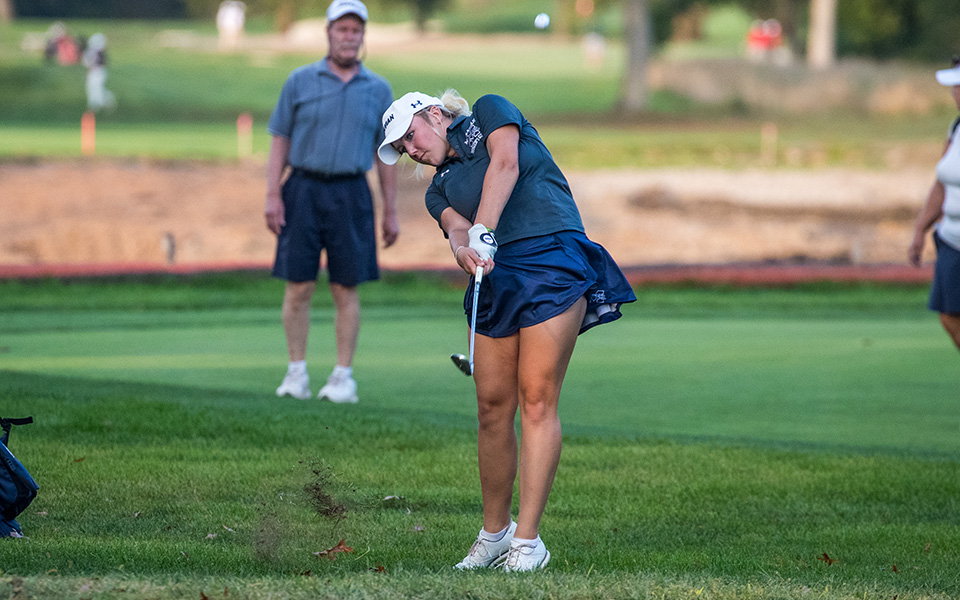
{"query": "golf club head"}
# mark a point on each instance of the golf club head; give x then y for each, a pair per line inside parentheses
(463, 363)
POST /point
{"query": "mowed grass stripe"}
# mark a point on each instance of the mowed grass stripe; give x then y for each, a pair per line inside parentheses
(862, 384)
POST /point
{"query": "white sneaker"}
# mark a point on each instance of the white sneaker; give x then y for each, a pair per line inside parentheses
(484, 553)
(526, 557)
(296, 385)
(340, 389)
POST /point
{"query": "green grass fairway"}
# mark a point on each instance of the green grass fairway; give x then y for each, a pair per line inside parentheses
(718, 444)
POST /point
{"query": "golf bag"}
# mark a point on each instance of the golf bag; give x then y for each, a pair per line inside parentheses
(17, 487)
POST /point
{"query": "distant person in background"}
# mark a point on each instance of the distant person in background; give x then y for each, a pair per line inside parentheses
(765, 41)
(942, 212)
(95, 60)
(326, 127)
(231, 17)
(61, 47)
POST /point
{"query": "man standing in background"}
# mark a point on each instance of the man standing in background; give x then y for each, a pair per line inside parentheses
(326, 128)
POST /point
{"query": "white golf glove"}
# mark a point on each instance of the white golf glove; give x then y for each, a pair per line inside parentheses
(482, 241)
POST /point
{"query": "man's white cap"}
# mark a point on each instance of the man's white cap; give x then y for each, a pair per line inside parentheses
(949, 77)
(340, 8)
(397, 119)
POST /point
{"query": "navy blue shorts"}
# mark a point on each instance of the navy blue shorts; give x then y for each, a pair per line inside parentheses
(945, 290)
(536, 279)
(336, 216)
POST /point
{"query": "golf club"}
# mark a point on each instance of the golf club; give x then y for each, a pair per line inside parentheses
(464, 363)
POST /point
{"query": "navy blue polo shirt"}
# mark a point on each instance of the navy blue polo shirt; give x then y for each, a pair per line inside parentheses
(541, 202)
(333, 127)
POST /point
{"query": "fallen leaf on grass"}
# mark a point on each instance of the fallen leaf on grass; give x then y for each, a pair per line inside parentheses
(203, 596)
(895, 569)
(379, 569)
(81, 459)
(826, 559)
(332, 552)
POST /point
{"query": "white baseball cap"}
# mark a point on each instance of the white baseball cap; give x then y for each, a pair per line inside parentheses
(340, 8)
(949, 77)
(397, 119)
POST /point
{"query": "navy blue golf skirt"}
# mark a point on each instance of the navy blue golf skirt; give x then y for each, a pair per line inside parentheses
(536, 279)
(945, 290)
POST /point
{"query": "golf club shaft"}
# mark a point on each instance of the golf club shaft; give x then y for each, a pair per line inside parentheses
(473, 313)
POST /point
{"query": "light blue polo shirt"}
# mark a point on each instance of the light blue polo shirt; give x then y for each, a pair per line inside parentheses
(541, 202)
(333, 127)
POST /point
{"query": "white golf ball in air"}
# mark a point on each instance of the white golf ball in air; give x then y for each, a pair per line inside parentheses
(542, 21)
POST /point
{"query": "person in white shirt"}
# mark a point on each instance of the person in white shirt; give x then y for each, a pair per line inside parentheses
(942, 213)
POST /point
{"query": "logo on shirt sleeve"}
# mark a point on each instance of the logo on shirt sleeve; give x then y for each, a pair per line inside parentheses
(473, 136)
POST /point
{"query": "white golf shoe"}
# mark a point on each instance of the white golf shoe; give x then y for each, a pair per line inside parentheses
(526, 556)
(484, 553)
(340, 389)
(296, 385)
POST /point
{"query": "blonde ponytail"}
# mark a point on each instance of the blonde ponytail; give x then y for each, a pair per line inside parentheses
(454, 103)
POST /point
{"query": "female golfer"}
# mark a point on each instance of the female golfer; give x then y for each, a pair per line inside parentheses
(496, 181)
(943, 208)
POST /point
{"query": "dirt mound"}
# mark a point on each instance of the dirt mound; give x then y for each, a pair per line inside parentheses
(103, 211)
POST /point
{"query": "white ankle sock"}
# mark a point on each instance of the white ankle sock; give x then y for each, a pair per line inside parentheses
(344, 371)
(297, 366)
(494, 537)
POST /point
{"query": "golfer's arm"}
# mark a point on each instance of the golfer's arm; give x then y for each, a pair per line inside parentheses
(503, 145)
(456, 226)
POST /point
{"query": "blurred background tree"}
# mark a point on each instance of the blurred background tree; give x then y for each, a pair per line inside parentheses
(101, 9)
(424, 9)
(880, 29)
(6, 11)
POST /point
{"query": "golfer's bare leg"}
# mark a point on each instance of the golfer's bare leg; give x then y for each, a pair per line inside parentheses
(495, 374)
(296, 317)
(347, 321)
(545, 352)
(951, 323)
